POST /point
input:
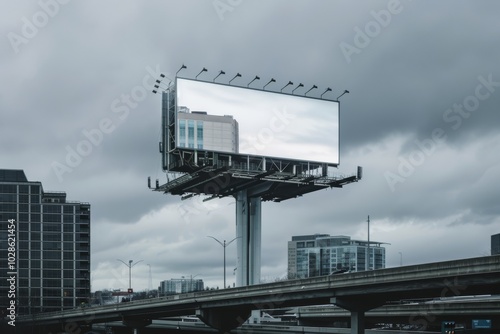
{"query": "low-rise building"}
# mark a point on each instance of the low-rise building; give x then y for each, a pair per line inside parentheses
(180, 285)
(322, 254)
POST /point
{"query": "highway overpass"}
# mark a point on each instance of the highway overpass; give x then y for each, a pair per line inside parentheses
(358, 292)
(422, 313)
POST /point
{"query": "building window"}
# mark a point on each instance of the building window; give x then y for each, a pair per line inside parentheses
(8, 198)
(8, 188)
(51, 208)
(190, 133)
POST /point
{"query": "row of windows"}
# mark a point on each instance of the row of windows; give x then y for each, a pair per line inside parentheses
(53, 282)
(12, 206)
(24, 229)
(25, 199)
(51, 255)
(52, 288)
(190, 134)
(49, 227)
(33, 246)
(47, 292)
(49, 304)
(53, 236)
(23, 189)
(80, 261)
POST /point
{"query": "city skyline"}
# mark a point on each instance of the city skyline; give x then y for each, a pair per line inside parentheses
(78, 114)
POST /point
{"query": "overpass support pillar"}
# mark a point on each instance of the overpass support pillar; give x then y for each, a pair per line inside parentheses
(224, 319)
(357, 306)
(248, 232)
(357, 322)
(136, 324)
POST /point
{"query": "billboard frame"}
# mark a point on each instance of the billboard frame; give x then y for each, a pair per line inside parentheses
(182, 159)
(221, 174)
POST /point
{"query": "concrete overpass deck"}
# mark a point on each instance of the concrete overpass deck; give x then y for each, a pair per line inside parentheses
(357, 292)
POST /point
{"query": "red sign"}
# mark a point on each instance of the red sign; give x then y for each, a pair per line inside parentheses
(130, 290)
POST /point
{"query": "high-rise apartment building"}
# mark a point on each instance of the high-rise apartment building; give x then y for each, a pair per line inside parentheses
(52, 246)
(180, 285)
(495, 244)
(322, 254)
(198, 130)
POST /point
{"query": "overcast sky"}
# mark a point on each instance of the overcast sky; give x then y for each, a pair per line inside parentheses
(422, 118)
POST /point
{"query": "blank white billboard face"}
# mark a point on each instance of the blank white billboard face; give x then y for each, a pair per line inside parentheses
(270, 124)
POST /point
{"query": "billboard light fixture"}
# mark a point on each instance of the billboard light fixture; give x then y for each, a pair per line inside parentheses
(272, 80)
(185, 197)
(203, 70)
(159, 82)
(345, 92)
(256, 78)
(159, 86)
(288, 84)
(326, 91)
(236, 76)
(182, 67)
(313, 87)
(210, 198)
(220, 73)
(300, 85)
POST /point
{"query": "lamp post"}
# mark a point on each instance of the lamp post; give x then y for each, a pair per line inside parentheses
(150, 279)
(130, 265)
(224, 244)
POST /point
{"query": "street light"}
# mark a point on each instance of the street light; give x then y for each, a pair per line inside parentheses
(223, 245)
(150, 279)
(129, 265)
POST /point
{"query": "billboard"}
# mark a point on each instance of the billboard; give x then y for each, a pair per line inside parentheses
(205, 117)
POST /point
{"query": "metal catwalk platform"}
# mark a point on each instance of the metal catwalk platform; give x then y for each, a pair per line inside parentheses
(250, 180)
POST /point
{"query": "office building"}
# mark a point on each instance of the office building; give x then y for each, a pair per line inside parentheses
(322, 254)
(198, 130)
(180, 285)
(52, 246)
(495, 244)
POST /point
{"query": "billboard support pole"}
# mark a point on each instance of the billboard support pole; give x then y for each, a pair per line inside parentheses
(248, 234)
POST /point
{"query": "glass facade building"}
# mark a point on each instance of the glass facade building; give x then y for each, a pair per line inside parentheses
(180, 285)
(495, 244)
(198, 130)
(52, 245)
(322, 254)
